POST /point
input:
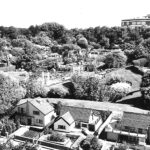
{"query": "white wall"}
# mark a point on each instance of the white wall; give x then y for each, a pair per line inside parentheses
(45, 118)
(48, 118)
(62, 122)
(98, 124)
(40, 116)
(21, 106)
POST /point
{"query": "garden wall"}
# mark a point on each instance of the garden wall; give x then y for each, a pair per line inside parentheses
(43, 143)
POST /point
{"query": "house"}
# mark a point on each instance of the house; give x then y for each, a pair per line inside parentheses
(132, 128)
(38, 112)
(75, 117)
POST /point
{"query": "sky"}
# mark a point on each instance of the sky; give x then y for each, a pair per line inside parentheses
(71, 13)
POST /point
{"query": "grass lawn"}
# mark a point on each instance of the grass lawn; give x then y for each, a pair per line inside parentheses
(129, 75)
(31, 134)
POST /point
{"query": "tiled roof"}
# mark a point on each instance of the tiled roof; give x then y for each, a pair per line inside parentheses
(22, 102)
(43, 105)
(136, 120)
(68, 118)
(78, 114)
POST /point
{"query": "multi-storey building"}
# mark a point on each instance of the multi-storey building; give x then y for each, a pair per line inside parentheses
(136, 22)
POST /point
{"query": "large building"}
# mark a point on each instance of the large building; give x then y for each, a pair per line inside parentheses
(136, 22)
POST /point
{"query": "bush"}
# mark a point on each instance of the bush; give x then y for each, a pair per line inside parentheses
(35, 88)
(10, 92)
(145, 88)
(59, 92)
(143, 62)
(115, 60)
(58, 137)
(114, 78)
(7, 126)
(82, 42)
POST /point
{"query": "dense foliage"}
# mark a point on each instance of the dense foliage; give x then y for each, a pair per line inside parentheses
(91, 143)
(28, 46)
(94, 89)
(10, 92)
(145, 88)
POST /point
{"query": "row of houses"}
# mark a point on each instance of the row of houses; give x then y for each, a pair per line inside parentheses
(39, 112)
(130, 127)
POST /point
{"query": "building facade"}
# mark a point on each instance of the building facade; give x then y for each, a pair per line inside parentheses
(75, 117)
(36, 112)
(136, 22)
(132, 128)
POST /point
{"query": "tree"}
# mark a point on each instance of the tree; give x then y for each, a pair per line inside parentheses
(58, 107)
(145, 88)
(10, 92)
(115, 60)
(91, 143)
(95, 144)
(86, 87)
(82, 42)
(139, 51)
(35, 88)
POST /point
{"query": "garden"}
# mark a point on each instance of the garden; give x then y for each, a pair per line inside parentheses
(59, 138)
(33, 133)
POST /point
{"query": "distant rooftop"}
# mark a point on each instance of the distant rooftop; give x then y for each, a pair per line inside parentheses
(147, 17)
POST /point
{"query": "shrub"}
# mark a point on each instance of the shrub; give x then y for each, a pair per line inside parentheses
(58, 137)
(10, 92)
(59, 92)
(7, 126)
(31, 134)
(82, 42)
(35, 88)
(145, 88)
(115, 60)
(114, 78)
(143, 62)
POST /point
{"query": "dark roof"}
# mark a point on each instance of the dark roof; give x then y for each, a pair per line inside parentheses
(136, 120)
(78, 114)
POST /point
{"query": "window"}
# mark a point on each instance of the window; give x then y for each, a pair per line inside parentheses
(61, 127)
(40, 121)
(77, 124)
(22, 110)
(140, 130)
(84, 125)
(36, 112)
(132, 129)
(127, 128)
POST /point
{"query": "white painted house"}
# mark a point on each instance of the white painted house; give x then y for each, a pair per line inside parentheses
(65, 123)
(38, 112)
(75, 117)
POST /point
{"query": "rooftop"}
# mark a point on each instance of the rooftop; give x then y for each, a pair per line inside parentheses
(139, 121)
(41, 104)
(68, 118)
(80, 114)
